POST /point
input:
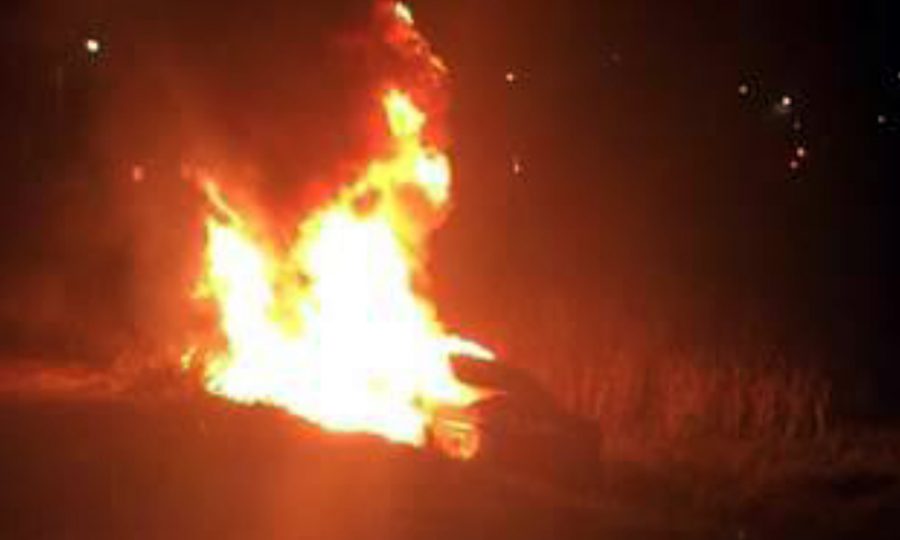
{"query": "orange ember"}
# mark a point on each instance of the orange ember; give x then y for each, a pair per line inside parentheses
(333, 328)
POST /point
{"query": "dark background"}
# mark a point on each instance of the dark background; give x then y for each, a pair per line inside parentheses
(651, 189)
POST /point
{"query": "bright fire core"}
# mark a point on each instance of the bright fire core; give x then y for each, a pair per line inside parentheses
(333, 328)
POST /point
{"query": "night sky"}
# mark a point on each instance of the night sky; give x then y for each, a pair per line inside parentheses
(718, 161)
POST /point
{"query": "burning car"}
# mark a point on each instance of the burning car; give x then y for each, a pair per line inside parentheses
(517, 427)
(331, 323)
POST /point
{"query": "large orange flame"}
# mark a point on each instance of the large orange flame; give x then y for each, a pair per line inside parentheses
(333, 328)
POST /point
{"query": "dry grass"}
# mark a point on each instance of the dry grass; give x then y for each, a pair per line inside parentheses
(681, 396)
(661, 382)
(723, 418)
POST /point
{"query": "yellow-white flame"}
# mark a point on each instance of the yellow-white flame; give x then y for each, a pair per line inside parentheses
(334, 330)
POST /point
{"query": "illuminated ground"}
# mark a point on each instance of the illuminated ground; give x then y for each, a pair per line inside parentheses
(210, 470)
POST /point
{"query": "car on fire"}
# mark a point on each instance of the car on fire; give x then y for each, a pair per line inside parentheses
(518, 427)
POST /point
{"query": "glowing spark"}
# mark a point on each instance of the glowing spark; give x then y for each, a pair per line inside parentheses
(92, 46)
(517, 166)
(784, 105)
(138, 174)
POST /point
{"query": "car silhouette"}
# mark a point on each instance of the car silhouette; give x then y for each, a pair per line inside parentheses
(518, 427)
